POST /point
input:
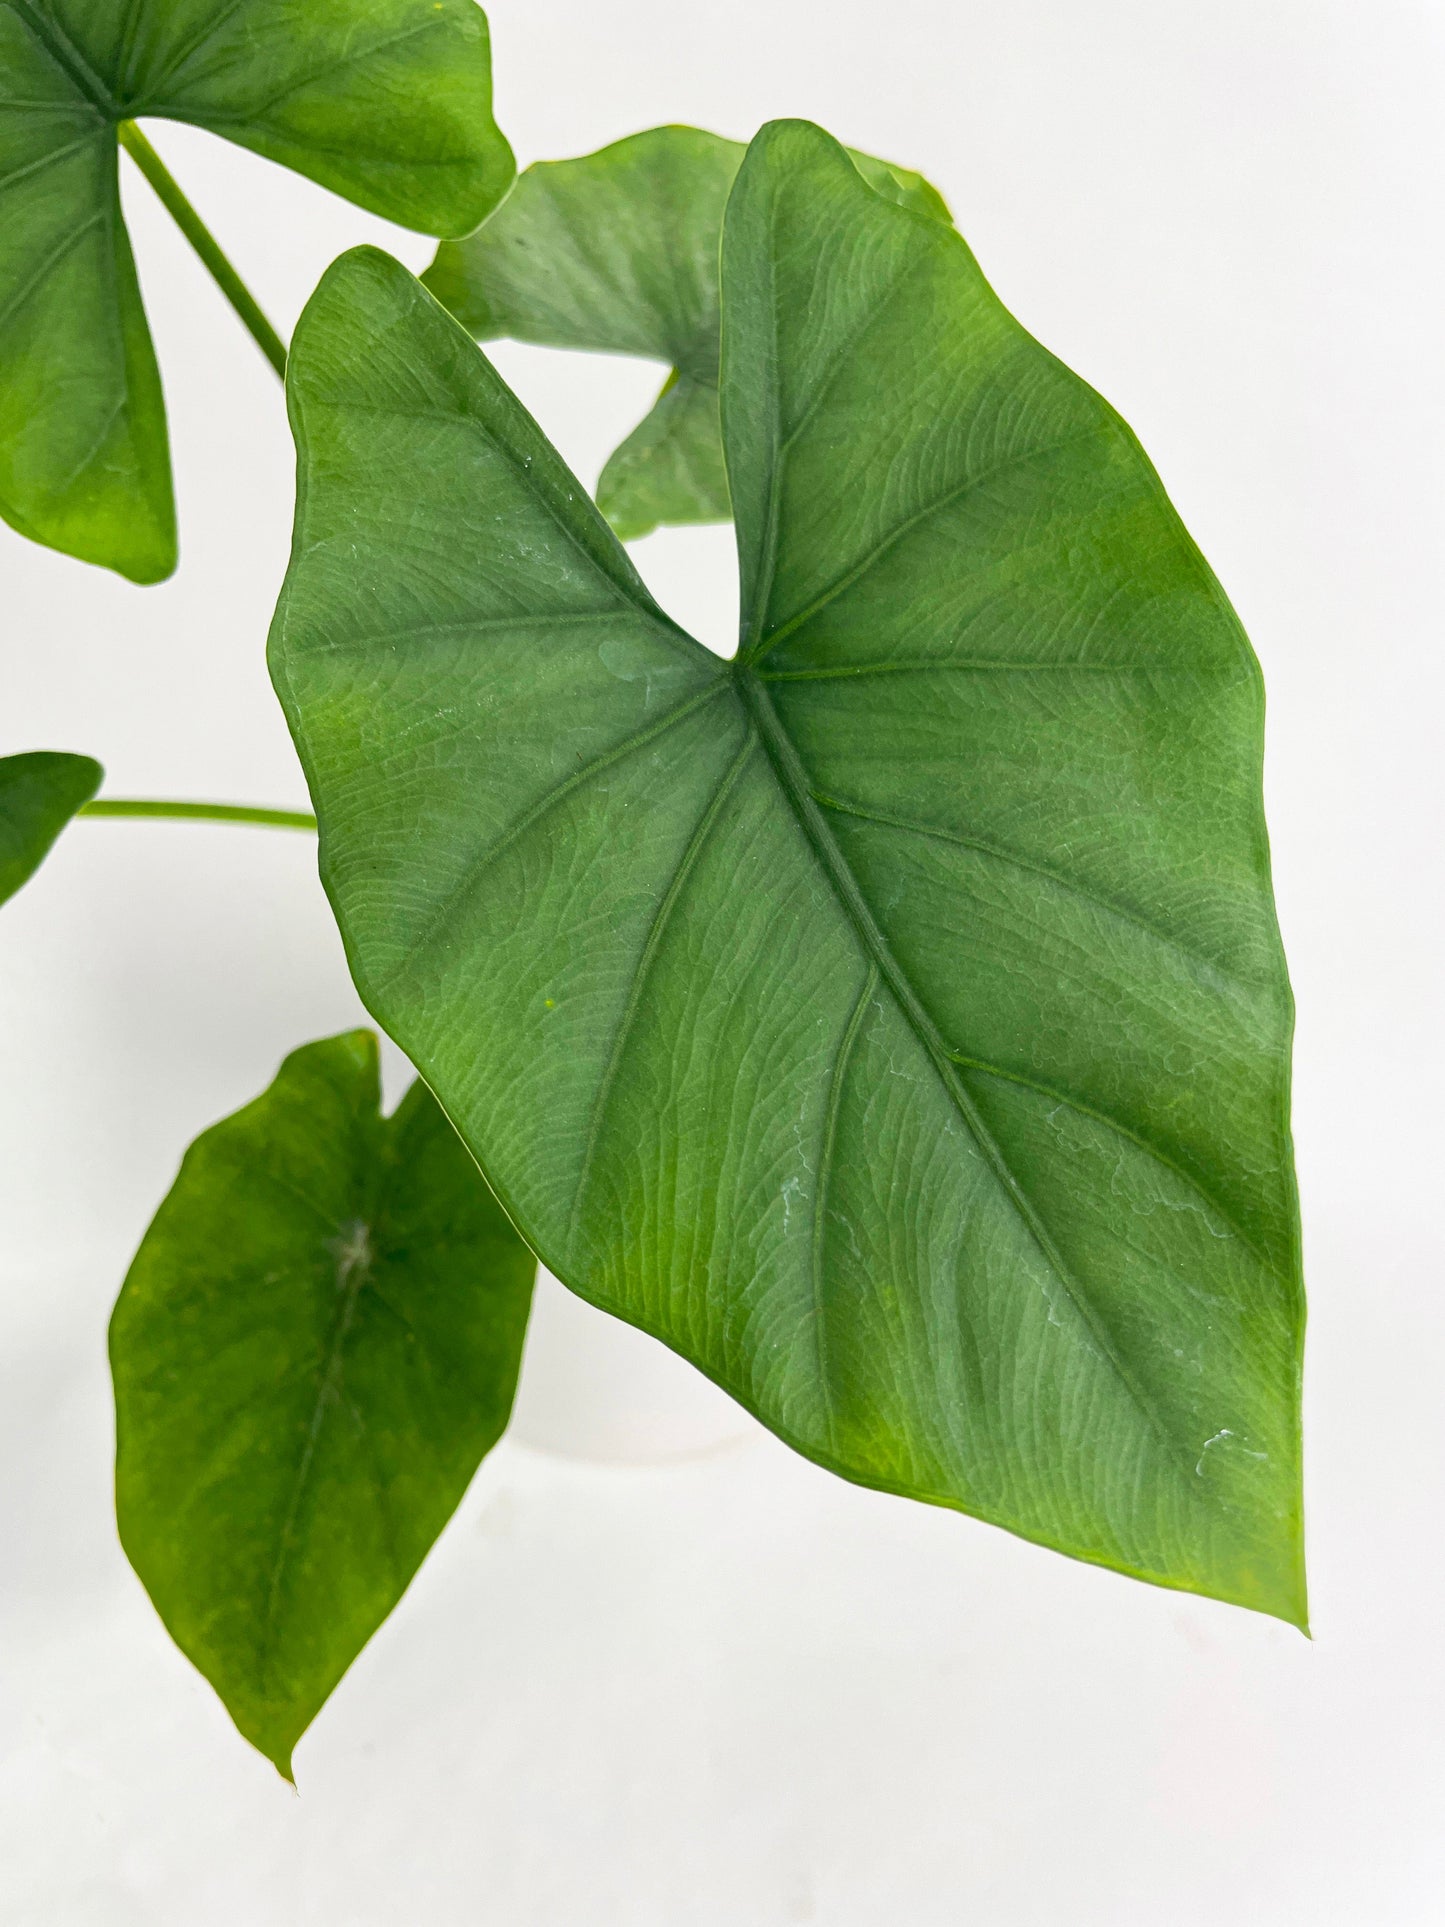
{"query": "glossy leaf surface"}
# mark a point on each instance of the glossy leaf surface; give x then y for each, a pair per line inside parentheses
(39, 793)
(618, 251)
(316, 1345)
(387, 102)
(893, 1020)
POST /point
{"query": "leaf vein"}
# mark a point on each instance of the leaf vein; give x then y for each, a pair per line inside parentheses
(947, 665)
(187, 50)
(642, 970)
(351, 1277)
(47, 267)
(1208, 966)
(825, 1173)
(257, 110)
(559, 793)
(1051, 1091)
(956, 493)
(797, 789)
(49, 159)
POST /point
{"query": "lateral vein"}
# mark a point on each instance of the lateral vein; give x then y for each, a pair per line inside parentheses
(643, 966)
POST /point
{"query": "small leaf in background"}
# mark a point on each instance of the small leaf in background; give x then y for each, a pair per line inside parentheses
(618, 252)
(315, 1347)
(387, 102)
(39, 793)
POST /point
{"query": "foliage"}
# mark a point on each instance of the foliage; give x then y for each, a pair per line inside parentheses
(892, 1019)
(314, 1349)
(618, 251)
(385, 101)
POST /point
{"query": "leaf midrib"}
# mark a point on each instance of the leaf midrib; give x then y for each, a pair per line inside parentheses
(351, 1278)
(796, 785)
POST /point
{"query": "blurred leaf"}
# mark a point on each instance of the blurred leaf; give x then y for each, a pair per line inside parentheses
(387, 102)
(314, 1349)
(892, 1019)
(39, 793)
(618, 252)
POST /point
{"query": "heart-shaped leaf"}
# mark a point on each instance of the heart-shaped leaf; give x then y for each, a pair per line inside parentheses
(618, 251)
(387, 102)
(315, 1347)
(39, 793)
(892, 1019)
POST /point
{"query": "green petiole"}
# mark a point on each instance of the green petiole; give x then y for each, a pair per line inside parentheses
(202, 812)
(204, 242)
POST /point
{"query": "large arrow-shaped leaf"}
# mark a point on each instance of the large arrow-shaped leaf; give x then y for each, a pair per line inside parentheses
(385, 101)
(618, 251)
(892, 1019)
(316, 1344)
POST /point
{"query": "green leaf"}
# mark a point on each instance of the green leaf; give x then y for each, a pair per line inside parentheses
(314, 1349)
(39, 793)
(387, 102)
(892, 1019)
(618, 251)
(670, 469)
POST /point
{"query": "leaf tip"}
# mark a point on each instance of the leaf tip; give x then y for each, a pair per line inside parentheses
(1297, 1612)
(364, 288)
(147, 572)
(1282, 1593)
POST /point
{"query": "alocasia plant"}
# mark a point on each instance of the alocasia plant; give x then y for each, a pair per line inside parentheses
(891, 1018)
(385, 101)
(618, 251)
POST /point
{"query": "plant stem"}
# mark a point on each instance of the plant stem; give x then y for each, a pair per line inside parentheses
(204, 812)
(204, 242)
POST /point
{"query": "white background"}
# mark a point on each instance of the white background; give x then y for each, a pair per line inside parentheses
(737, 1692)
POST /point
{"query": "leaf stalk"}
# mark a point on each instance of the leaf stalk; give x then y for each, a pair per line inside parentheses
(200, 812)
(205, 244)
